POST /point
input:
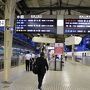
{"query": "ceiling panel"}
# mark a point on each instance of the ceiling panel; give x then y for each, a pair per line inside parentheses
(32, 3)
(75, 2)
(85, 3)
(54, 1)
(44, 2)
(76, 13)
(88, 1)
(62, 12)
(65, 1)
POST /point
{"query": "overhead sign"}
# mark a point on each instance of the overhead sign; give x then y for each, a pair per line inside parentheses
(43, 40)
(84, 17)
(59, 48)
(72, 40)
(76, 26)
(2, 23)
(36, 16)
(36, 24)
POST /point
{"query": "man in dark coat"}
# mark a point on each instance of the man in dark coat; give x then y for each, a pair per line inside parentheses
(42, 64)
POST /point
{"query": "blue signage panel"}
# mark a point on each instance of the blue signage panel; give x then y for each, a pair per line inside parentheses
(2, 29)
(76, 26)
(83, 46)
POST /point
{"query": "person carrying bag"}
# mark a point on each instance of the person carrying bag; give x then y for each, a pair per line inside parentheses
(39, 68)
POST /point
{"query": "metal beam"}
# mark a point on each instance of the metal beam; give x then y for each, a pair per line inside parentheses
(2, 2)
(60, 8)
(18, 10)
(84, 11)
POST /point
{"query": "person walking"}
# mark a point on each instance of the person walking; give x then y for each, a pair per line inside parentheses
(33, 57)
(27, 60)
(42, 64)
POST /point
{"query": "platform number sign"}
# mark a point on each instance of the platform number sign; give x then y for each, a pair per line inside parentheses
(2, 23)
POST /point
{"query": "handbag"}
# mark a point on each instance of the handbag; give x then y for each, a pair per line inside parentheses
(35, 68)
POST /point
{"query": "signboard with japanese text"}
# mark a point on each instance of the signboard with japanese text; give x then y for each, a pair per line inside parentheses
(36, 24)
(77, 24)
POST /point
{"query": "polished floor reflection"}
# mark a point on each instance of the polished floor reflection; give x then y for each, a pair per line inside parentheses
(74, 76)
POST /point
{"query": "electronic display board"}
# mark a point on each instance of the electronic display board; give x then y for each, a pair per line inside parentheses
(76, 26)
(36, 25)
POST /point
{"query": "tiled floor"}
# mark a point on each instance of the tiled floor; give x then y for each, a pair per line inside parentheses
(73, 77)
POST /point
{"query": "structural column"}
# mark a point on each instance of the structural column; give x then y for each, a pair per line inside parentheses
(73, 56)
(9, 22)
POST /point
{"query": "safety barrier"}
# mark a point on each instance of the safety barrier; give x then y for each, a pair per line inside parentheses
(14, 63)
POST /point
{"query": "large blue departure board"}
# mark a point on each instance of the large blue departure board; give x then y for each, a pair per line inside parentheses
(76, 26)
(36, 25)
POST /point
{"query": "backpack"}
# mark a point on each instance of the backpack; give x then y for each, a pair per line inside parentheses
(35, 68)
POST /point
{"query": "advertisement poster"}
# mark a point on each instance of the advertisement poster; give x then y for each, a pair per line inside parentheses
(59, 49)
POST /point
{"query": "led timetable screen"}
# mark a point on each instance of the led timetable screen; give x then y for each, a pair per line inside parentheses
(36, 25)
(76, 26)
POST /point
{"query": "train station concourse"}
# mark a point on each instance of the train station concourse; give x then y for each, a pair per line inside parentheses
(44, 44)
